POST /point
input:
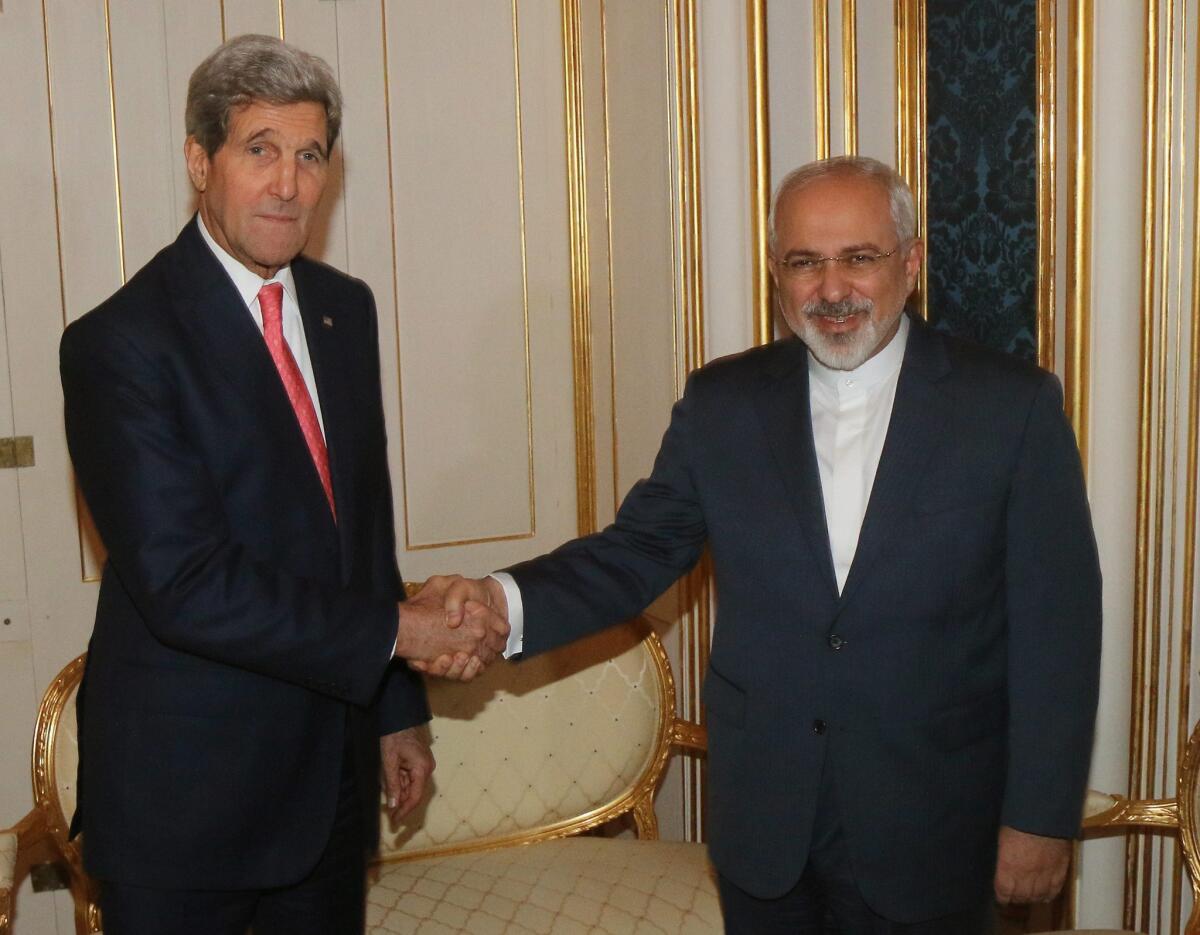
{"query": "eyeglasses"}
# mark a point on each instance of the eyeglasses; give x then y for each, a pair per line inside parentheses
(857, 264)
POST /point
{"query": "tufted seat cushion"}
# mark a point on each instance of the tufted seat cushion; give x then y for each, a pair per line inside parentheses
(563, 886)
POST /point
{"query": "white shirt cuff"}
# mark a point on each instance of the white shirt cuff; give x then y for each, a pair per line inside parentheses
(516, 613)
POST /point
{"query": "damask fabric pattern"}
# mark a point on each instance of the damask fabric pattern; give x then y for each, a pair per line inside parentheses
(564, 887)
(982, 161)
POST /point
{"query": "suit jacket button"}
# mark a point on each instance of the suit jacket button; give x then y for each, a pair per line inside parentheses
(818, 726)
(836, 642)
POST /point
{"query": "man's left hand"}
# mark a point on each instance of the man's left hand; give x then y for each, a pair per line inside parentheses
(407, 765)
(1030, 868)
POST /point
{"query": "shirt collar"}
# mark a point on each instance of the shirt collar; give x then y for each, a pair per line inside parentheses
(873, 371)
(246, 281)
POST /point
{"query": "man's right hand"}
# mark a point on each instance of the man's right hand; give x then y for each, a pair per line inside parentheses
(456, 639)
(463, 599)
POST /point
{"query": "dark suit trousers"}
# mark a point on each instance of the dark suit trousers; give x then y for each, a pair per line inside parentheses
(330, 900)
(827, 901)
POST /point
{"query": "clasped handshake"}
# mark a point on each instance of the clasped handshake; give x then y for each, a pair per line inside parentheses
(453, 627)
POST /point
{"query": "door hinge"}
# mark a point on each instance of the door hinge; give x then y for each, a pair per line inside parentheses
(16, 452)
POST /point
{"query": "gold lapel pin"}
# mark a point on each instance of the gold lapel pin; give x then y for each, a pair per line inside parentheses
(327, 321)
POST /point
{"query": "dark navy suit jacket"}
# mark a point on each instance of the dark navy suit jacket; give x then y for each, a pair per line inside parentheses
(952, 685)
(242, 640)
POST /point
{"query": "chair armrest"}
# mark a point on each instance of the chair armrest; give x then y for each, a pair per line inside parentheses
(8, 858)
(689, 736)
(1102, 810)
(25, 843)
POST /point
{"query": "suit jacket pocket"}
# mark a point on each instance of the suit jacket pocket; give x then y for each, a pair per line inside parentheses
(723, 699)
(963, 724)
(198, 691)
(945, 500)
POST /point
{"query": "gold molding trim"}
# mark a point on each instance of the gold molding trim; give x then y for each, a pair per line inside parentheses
(910, 122)
(1152, 446)
(581, 318)
(221, 6)
(84, 576)
(760, 169)
(516, 31)
(282, 23)
(609, 265)
(696, 589)
(1141, 622)
(387, 124)
(850, 76)
(62, 279)
(116, 148)
(821, 76)
(1157, 380)
(1047, 148)
(1080, 67)
(1188, 768)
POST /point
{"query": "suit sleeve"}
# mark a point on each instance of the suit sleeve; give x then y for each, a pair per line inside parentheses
(162, 521)
(599, 580)
(1054, 618)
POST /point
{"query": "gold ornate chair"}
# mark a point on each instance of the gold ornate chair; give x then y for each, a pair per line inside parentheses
(42, 835)
(530, 757)
(1103, 812)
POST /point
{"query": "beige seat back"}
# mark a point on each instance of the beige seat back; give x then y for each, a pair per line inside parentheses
(546, 748)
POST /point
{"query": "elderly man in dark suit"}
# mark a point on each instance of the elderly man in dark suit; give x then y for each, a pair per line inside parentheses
(904, 667)
(224, 416)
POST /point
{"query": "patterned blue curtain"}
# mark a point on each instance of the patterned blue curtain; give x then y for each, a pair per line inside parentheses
(982, 161)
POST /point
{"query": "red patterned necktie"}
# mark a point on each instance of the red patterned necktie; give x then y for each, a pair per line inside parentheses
(270, 301)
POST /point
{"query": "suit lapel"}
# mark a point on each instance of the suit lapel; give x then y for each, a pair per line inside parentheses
(333, 367)
(210, 309)
(783, 408)
(915, 432)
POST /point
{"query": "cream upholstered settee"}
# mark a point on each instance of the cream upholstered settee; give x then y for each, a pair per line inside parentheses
(530, 757)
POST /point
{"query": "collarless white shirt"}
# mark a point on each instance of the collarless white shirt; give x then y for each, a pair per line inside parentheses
(248, 284)
(851, 410)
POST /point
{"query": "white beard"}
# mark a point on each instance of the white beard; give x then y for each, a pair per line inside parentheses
(847, 351)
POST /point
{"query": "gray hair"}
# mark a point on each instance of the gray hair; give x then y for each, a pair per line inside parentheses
(900, 199)
(257, 68)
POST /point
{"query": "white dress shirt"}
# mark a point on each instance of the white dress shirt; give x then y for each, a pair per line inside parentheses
(248, 284)
(850, 410)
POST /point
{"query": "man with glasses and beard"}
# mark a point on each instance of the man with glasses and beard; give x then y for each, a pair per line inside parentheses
(903, 680)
